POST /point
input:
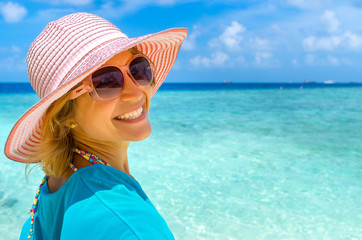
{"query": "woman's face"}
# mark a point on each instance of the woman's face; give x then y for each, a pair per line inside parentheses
(101, 120)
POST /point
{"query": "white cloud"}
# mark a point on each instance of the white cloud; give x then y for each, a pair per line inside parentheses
(353, 41)
(260, 44)
(216, 59)
(77, 2)
(52, 14)
(13, 63)
(332, 22)
(15, 49)
(230, 38)
(346, 41)
(277, 29)
(305, 4)
(164, 2)
(12, 49)
(196, 60)
(262, 58)
(333, 60)
(329, 60)
(13, 12)
(111, 10)
(69, 2)
(219, 58)
(323, 43)
(310, 59)
(125, 7)
(190, 42)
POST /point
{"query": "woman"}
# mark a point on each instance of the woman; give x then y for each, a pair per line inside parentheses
(95, 86)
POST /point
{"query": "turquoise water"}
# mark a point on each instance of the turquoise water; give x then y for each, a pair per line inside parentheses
(233, 164)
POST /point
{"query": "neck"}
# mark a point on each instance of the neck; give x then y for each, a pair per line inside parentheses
(114, 153)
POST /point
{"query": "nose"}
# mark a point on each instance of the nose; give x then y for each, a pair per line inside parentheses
(131, 91)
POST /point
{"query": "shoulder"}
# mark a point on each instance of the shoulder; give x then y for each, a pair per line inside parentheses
(99, 177)
(117, 208)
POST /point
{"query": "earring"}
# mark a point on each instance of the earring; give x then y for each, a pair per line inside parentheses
(73, 125)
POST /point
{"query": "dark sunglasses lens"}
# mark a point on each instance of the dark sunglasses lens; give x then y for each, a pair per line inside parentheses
(141, 71)
(108, 82)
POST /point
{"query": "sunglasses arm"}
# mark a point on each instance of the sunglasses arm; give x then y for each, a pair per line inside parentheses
(78, 91)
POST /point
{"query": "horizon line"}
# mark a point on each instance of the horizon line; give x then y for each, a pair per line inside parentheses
(231, 82)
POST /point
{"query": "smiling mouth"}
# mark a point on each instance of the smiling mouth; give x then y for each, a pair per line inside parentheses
(131, 115)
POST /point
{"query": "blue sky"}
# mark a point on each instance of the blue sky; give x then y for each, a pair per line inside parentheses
(239, 41)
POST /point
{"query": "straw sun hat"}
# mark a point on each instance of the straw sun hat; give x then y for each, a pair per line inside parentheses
(68, 50)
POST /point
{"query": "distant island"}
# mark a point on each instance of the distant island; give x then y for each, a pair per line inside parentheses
(324, 82)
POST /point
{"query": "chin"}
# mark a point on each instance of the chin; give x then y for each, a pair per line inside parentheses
(140, 135)
(143, 137)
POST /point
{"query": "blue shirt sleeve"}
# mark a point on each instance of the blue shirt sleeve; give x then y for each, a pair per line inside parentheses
(25, 230)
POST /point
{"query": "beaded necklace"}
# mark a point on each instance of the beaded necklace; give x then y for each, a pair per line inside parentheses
(87, 155)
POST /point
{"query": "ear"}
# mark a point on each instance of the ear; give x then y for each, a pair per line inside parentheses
(71, 123)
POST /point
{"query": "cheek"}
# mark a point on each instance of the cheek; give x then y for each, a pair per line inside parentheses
(94, 120)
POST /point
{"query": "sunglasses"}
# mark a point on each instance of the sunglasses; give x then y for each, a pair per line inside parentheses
(106, 83)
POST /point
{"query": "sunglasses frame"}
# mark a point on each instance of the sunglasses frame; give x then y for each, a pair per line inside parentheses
(88, 86)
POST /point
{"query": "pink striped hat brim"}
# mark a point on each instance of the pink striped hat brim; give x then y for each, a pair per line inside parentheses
(161, 48)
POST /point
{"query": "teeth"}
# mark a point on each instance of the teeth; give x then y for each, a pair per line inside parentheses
(131, 115)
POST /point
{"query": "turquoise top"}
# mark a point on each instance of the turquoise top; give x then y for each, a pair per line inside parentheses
(97, 202)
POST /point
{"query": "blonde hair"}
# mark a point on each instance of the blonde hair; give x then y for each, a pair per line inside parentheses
(55, 150)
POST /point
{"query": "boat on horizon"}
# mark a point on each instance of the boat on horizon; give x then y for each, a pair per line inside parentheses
(227, 81)
(309, 82)
(329, 82)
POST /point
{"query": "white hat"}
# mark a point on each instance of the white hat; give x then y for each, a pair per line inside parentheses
(67, 51)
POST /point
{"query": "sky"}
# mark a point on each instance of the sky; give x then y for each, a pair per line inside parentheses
(229, 40)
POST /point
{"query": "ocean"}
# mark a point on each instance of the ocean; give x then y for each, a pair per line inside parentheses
(231, 161)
